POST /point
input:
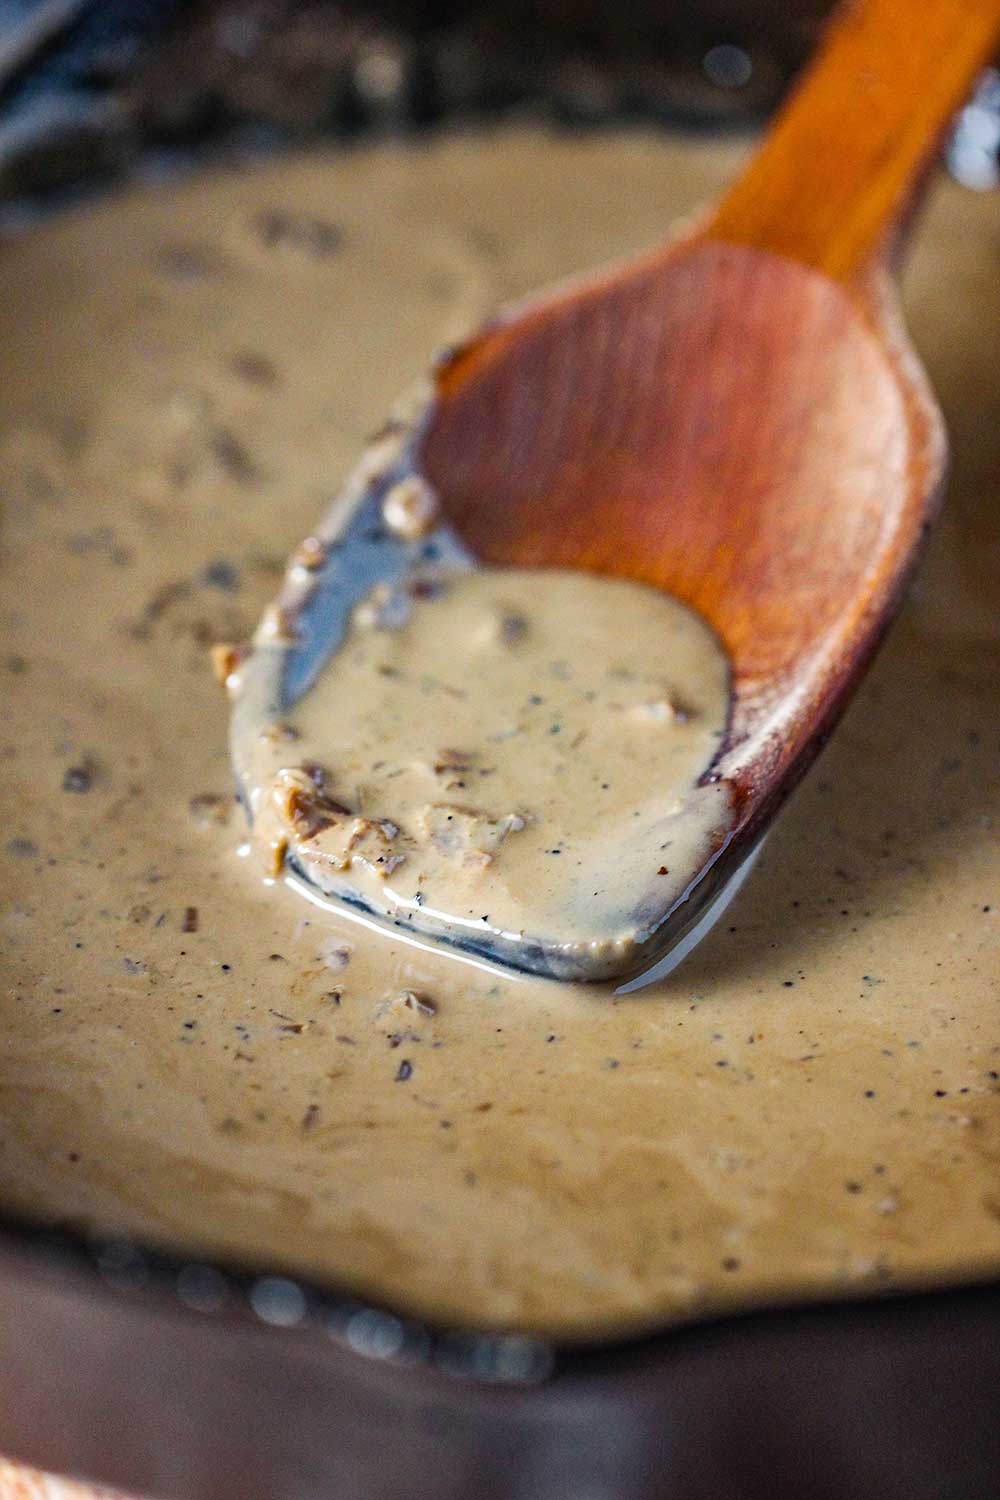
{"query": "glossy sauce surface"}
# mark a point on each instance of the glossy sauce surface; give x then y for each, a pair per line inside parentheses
(810, 1105)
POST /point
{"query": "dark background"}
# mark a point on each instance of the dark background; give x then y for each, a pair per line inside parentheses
(88, 87)
(91, 90)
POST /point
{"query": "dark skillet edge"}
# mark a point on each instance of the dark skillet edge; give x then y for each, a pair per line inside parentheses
(480, 1355)
(109, 1374)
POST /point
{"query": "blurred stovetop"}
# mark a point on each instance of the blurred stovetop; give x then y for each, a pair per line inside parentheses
(92, 89)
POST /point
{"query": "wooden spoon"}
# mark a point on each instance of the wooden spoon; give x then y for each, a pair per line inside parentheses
(736, 418)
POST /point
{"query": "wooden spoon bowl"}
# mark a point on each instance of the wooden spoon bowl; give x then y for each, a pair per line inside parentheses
(726, 425)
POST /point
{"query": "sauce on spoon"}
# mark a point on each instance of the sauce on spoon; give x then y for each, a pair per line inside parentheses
(511, 758)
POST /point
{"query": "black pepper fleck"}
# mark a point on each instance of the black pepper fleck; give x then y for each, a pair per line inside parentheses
(223, 575)
(233, 456)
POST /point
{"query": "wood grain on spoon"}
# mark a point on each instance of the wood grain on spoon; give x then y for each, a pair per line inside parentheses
(738, 417)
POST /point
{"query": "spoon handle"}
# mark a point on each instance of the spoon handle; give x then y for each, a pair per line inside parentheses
(835, 176)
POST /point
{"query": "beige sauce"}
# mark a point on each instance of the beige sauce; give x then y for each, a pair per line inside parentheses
(810, 1104)
(506, 753)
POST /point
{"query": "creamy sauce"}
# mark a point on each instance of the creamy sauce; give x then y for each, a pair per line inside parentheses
(506, 753)
(810, 1105)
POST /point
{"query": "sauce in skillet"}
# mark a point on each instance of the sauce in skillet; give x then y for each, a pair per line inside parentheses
(809, 1105)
